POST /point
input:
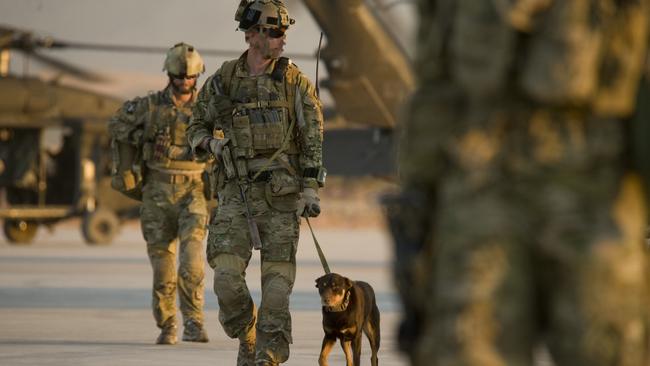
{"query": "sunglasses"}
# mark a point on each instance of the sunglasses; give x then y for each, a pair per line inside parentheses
(183, 76)
(273, 32)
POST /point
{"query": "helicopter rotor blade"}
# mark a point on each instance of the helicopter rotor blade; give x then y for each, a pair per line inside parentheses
(65, 67)
(153, 49)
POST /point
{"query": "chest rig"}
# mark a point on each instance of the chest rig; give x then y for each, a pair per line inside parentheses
(165, 136)
(261, 131)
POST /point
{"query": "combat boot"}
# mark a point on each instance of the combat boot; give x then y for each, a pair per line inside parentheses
(194, 332)
(246, 355)
(167, 335)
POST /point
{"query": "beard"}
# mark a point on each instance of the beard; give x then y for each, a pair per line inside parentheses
(265, 49)
(181, 89)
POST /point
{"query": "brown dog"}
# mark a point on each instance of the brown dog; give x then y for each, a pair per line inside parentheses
(348, 308)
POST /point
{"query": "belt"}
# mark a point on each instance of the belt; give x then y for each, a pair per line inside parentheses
(173, 178)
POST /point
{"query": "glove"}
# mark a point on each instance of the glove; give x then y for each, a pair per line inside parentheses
(311, 201)
(215, 146)
(179, 152)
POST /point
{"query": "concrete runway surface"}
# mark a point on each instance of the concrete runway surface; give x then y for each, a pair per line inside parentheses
(65, 303)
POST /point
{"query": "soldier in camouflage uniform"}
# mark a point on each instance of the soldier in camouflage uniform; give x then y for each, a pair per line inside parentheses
(174, 212)
(269, 123)
(521, 217)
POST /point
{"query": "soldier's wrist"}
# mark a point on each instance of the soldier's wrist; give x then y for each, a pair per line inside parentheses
(310, 183)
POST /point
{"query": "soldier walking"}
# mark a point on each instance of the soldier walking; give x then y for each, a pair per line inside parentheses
(269, 129)
(173, 214)
(521, 217)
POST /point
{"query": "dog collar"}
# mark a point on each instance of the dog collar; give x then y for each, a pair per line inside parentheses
(341, 307)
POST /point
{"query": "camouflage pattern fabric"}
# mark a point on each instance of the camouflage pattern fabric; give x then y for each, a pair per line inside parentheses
(273, 202)
(173, 215)
(229, 251)
(528, 223)
(208, 116)
(173, 218)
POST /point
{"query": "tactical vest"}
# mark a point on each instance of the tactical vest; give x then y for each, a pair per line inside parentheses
(264, 115)
(165, 143)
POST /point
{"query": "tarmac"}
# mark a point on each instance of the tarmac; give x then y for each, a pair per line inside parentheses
(63, 302)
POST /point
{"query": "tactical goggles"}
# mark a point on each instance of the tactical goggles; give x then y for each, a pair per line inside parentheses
(272, 32)
(183, 76)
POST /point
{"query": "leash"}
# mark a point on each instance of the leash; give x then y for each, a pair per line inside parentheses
(323, 261)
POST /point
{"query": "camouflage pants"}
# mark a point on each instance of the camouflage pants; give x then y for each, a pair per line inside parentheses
(229, 251)
(170, 212)
(536, 237)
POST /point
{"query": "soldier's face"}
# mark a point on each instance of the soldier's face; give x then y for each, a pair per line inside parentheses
(183, 84)
(268, 42)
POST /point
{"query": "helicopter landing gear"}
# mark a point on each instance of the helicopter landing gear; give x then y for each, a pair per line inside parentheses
(20, 231)
(100, 227)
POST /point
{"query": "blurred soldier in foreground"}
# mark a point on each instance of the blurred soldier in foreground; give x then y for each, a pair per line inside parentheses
(521, 216)
(153, 161)
(270, 158)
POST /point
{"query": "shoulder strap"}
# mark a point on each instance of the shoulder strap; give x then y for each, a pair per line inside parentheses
(225, 77)
(280, 68)
(149, 123)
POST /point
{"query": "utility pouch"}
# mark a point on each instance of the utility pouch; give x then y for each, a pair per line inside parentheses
(282, 183)
(564, 55)
(241, 128)
(161, 144)
(288, 202)
(282, 192)
(228, 164)
(126, 174)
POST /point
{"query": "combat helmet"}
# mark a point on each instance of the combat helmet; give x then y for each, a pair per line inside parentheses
(183, 59)
(263, 13)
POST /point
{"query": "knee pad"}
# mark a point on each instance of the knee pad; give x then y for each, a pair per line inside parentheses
(191, 277)
(276, 291)
(230, 286)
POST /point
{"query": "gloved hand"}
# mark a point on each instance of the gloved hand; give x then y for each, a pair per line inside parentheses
(215, 146)
(311, 201)
(179, 152)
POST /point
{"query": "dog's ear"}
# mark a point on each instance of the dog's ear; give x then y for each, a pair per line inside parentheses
(348, 283)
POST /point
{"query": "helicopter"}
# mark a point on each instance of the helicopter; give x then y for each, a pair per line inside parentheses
(54, 148)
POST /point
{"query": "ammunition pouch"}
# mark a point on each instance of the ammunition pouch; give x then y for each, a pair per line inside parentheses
(126, 172)
(258, 131)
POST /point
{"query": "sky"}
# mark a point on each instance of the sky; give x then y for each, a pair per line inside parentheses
(160, 23)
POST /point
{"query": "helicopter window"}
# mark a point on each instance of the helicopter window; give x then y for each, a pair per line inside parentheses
(52, 140)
